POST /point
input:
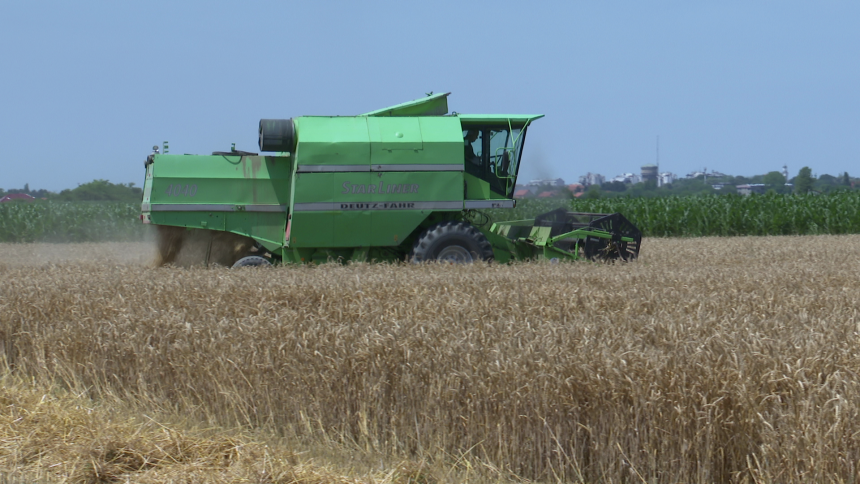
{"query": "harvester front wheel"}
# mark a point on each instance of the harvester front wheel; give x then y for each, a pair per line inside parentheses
(449, 241)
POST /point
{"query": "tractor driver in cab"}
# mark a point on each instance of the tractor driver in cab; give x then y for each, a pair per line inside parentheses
(469, 140)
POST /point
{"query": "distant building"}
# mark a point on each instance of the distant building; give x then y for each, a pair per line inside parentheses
(547, 194)
(666, 178)
(627, 178)
(649, 173)
(591, 179)
(576, 188)
(557, 182)
(704, 174)
(17, 196)
(523, 193)
(751, 188)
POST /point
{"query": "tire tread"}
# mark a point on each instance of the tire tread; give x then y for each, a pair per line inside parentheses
(425, 243)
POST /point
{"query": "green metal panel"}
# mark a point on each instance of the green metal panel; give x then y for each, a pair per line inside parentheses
(443, 140)
(351, 228)
(361, 209)
(434, 104)
(147, 187)
(477, 189)
(326, 229)
(266, 227)
(332, 140)
(197, 220)
(415, 141)
(417, 186)
(333, 187)
(314, 187)
(319, 220)
(396, 215)
(387, 134)
(394, 140)
(391, 228)
(236, 180)
(504, 250)
(247, 195)
(311, 229)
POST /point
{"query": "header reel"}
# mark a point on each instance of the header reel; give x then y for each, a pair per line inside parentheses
(594, 236)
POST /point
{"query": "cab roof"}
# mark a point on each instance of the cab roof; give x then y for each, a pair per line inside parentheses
(499, 118)
(437, 105)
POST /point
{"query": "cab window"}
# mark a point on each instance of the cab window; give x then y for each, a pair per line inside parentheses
(492, 154)
(503, 153)
(473, 146)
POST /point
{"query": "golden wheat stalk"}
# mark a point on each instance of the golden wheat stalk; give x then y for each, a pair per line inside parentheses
(708, 360)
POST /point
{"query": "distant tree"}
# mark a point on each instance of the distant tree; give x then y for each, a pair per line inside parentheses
(103, 190)
(828, 179)
(685, 187)
(643, 189)
(803, 181)
(41, 193)
(636, 190)
(826, 183)
(846, 180)
(614, 186)
(774, 179)
(592, 192)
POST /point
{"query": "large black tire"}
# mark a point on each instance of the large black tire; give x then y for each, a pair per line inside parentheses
(456, 242)
(252, 261)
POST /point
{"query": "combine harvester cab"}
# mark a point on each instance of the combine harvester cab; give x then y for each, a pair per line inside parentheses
(400, 183)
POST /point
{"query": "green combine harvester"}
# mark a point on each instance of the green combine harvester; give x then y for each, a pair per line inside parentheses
(406, 182)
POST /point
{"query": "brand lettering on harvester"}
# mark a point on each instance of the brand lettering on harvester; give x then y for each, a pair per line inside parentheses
(377, 206)
(379, 188)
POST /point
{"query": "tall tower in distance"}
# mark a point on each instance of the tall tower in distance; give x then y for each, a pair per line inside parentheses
(649, 172)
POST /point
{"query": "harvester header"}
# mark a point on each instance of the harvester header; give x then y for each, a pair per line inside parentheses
(399, 183)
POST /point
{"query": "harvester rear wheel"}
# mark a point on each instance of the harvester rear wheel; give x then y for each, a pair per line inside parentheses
(449, 241)
(252, 261)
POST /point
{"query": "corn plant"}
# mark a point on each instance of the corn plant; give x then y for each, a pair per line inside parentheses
(70, 222)
(720, 215)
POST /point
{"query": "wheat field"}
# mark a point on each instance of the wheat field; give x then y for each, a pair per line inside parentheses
(707, 360)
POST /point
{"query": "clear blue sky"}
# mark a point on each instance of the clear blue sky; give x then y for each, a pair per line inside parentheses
(742, 87)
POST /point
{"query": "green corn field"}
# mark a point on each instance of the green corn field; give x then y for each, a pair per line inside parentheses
(70, 222)
(717, 215)
(720, 215)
